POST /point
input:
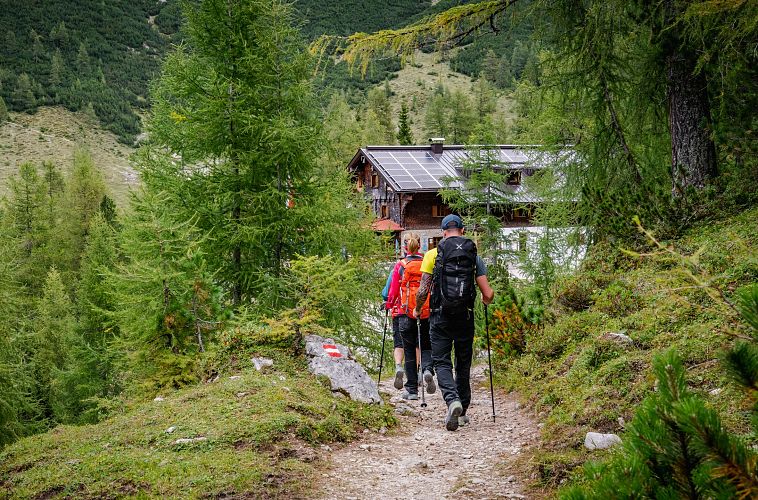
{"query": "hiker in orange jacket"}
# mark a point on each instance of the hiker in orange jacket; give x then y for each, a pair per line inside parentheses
(406, 279)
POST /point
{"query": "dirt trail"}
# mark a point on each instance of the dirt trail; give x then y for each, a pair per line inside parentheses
(421, 460)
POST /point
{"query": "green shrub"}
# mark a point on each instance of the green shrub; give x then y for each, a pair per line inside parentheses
(553, 340)
(616, 300)
(576, 292)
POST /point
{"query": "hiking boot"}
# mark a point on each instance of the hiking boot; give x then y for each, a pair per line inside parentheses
(454, 411)
(463, 420)
(399, 374)
(411, 396)
(431, 387)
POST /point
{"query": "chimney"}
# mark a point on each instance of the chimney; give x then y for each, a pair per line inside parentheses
(437, 144)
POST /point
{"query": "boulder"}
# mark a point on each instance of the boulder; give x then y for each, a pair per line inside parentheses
(262, 363)
(346, 376)
(620, 338)
(597, 441)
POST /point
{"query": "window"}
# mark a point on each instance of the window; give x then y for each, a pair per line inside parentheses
(521, 213)
(385, 212)
(440, 211)
(522, 237)
(374, 180)
(433, 242)
(514, 178)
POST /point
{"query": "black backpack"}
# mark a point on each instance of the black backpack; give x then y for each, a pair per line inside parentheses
(454, 278)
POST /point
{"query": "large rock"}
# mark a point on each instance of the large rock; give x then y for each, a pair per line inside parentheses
(335, 361)
(597, 441)
(619, 338)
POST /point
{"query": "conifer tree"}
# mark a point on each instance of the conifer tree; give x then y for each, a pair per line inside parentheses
(436, 118)
(235, 106)
(90, 372)
(15, 404)
(404, 134)
(82, 60)
(54, 186)
(57, 68)
(3, 111)
(54, 328)
(167, 301)
(59, 35)
(461, 117)
(83, 194)
(379, 103)
(38, 50)
(26, 211)
(485, 99)
(484, 174)
(23, 95)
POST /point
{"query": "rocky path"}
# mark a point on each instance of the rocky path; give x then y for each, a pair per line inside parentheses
(421, 460)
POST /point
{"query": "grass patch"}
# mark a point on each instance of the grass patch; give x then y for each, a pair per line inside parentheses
(576, 380)
(257, 435)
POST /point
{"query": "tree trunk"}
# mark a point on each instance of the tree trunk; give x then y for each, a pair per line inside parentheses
(693, 154)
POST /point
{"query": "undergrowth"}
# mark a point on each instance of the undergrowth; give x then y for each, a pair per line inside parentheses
(578, 378)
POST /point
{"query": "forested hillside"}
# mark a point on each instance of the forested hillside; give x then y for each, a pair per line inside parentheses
(75, 55)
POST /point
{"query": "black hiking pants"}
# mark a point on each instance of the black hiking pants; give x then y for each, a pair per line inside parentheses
(409, 331)
(448, 332)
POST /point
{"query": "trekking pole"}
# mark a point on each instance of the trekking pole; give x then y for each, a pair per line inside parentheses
(384, 338)
(420, 369)
(489, 359)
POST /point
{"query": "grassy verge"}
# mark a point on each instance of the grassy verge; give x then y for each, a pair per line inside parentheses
(578, 379)
(255, 435)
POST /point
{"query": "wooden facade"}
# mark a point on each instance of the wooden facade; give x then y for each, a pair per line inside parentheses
(419, 210)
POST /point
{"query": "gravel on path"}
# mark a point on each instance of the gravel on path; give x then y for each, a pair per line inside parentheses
(422, 460)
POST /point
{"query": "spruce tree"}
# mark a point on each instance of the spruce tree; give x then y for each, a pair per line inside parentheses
(404, 134)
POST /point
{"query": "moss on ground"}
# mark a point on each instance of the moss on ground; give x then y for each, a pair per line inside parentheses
(576, 381)
(262, 433)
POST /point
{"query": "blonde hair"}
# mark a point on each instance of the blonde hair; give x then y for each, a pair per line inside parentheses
(412, 242)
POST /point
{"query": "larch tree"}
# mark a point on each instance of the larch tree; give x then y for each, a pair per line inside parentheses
(611, 49)
(83, 194)
(379, 103)
(54, 328)
(162, 286)
(26, 211)
(233, 110)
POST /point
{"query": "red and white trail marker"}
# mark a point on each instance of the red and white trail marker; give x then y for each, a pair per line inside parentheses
(332, 350)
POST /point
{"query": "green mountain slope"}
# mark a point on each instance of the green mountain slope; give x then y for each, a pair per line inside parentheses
(579, 378)
(84, 53)
(53, 134)
(248, 435)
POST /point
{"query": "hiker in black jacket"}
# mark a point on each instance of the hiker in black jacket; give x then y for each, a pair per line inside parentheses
(450, 272)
